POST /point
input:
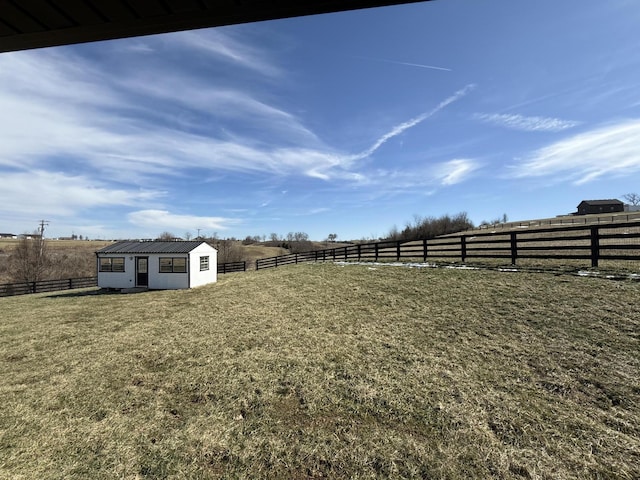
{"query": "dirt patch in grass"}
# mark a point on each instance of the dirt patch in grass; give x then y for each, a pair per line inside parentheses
(327, 371)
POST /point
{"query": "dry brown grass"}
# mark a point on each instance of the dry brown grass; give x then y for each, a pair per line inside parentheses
(332, 372)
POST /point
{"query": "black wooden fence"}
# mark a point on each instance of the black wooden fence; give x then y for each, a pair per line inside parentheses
(11, 289)
(593, 243)
(232, 267)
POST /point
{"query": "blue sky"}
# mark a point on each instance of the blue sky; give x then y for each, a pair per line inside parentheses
(346, 123)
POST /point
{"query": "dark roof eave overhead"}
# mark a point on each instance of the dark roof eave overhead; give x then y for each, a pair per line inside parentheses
(36, 24)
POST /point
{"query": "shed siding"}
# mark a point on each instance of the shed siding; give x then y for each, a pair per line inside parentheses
(199, 278)
(166, 281)
(126, 279)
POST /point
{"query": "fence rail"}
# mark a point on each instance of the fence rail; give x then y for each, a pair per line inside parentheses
(10, 289)
(232, 267)
(593, 243)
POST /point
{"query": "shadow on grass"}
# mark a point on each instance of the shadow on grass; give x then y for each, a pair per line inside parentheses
(98, 291)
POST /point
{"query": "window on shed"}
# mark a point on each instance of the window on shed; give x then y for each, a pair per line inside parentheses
(173, 265)
(204, 263)
(112, 264)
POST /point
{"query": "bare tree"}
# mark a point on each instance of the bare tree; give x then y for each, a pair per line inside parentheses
(228, 251)
(632, 198)
(166, 236)
(30, 258)
(430, 227)
(188, 236)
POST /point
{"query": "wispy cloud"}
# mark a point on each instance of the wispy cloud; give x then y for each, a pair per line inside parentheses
(206, 97)
(456, 171)
(39, 192)
(611, 150)
(164, 219)
(426, 178)
(527, 124)
(312, 211)
(224, 45)
(62, 107)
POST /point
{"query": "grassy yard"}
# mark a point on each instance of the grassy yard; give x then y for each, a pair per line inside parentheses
(317, 371)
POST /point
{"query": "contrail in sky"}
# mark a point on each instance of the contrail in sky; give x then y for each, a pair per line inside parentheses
(419, 65)
(398, 129)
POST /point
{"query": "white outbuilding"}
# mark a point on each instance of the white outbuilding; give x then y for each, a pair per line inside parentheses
(157, 265)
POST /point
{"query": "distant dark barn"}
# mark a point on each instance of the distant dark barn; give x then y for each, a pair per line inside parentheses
(600, 206)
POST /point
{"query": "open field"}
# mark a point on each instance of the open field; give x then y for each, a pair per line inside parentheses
(318, 370)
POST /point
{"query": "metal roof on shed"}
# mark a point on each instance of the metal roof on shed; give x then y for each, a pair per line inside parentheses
(151, 247)
(601, 202)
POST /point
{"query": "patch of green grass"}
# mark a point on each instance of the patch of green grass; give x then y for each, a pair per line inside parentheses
(326, 371)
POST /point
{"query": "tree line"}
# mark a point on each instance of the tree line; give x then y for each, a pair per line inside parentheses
(425, 228)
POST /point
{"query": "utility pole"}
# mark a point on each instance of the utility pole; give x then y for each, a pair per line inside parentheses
(41, 229)
(199, 233)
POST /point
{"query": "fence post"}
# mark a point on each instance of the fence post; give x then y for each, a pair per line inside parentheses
(514, 248)
(244, 266)
(276, 262)
(463, 247)
(376, 252)
(296, 258)
(70, 284)
(359, 251)
(424, 250)
(398, 251)
(595, 246)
